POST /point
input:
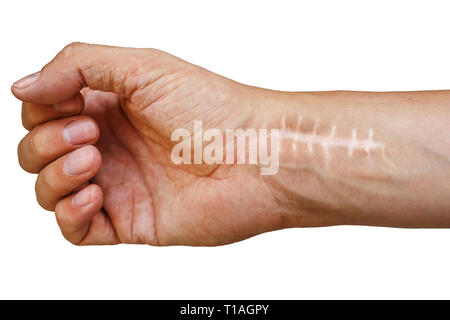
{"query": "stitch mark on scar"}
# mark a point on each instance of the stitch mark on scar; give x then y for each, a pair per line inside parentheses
(297, 128)
(352, 144)
(327, 142)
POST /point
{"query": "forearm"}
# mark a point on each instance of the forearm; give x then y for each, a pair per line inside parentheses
(362, 157)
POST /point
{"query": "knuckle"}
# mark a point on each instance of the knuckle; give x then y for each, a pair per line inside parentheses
(27, 123)
(70, 49)
(64, 222)
(74, 242)
(49, 181)
(27, 118)
(39, 144)
(34, 145)
(67, 234)
(45, 191)
(66, 226)
(64, 219)
(70, 240)
(25, 155)
(22, 157)
(44, 203)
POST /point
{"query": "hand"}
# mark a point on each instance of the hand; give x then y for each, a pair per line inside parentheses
(100, 121)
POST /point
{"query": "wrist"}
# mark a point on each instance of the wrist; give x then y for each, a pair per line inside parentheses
(300, 185)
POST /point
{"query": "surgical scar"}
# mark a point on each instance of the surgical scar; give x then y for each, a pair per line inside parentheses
(312, 140)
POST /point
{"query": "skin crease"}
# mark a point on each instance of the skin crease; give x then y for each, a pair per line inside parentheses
(137, 97)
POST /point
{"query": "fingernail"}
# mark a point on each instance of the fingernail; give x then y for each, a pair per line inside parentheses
(79, 132)
(79, 162)
(27, 81)
(83, 197)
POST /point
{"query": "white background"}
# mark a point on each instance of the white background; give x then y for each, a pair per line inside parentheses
(286, 45)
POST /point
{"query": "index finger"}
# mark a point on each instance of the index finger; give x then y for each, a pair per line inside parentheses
(34, 114)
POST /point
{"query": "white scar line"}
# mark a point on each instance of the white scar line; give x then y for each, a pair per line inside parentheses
(310, 139)
(331, 141)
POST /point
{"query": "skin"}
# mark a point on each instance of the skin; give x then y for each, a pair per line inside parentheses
(133, 193)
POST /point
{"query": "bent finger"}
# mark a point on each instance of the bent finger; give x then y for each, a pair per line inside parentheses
(50, 140)
(66, 174)
(34, 114)
(81, 220)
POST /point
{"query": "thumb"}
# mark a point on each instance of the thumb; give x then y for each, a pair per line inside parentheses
(79, 65)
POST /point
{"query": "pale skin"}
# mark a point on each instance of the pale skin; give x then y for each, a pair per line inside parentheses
(100, 120)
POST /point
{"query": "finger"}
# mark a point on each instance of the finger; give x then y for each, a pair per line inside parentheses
(101, 231)
(81, 220)
(79, 65)
(74, 104)
(65, 174)
(50, 140)
(34, 114)
(74, 213)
